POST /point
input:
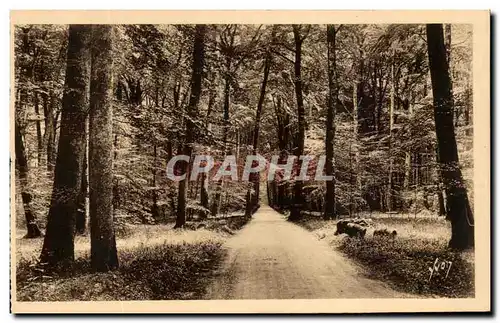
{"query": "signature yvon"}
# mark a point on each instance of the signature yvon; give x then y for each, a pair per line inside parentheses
(440, 266)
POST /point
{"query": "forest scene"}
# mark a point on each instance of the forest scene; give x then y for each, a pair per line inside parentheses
(320, 161)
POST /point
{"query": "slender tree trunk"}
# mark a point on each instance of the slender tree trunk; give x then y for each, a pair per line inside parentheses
(192, 110)
(58, 245)
(389, 191)
(459, 212)
(50, 131)
(227, 87)
(252, 201)
(355, 129)
(102, 236)
(299, 144)
(38, 131)
(204, 191)
(81, 214)
(22, 168)
(155, 212)
(204, 195)
(330, 199)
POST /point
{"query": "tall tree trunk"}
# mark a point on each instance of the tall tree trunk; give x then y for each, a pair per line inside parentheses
(204, 195)
(81, 214)
(252, 201)
(300, 138)
(330, 123)
(192, 110)
(459, 212)
(227, 88)
(389, 192)
(39, 138)
(22, 168)
(102, 235)
(355, 136)
(58, 245)
(155, 211)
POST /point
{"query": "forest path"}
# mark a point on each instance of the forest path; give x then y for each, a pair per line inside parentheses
(271, 258)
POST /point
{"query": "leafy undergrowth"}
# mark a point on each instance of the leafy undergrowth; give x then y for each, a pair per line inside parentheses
(406, 264)
(156, 263)
(406, 261)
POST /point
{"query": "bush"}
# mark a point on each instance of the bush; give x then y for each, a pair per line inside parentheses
(405, 263)
(167, 271)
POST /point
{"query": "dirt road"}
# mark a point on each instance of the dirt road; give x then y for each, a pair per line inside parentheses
(274, 259)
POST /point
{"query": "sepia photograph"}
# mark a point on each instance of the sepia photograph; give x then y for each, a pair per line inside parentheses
(291, 162)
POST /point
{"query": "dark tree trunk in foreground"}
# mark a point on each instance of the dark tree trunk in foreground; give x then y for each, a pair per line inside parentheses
(58, 247)
(459, 210)
(252, 201)
(299, 142)
(22, 167)
(81, 213)
(330, 123)
(192, 110)
(102, 236)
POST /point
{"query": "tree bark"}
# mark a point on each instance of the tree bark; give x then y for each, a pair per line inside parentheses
(459, 212)
(192, 110)
(102, 236)
(58, 245)
(330, 123)
(299, 142)
(22, 168)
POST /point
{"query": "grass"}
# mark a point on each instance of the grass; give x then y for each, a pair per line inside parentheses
(156, 263)
(404, 262)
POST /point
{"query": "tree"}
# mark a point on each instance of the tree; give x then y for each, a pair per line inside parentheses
(300, 138)
(22, 168)
(58, 245)
(252, 200)
(103, 244)
(459, 212)
(192, 110)
(330, 122)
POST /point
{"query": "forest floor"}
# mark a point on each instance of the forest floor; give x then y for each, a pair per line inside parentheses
(271, 258)
(405, 262)
(156, 262)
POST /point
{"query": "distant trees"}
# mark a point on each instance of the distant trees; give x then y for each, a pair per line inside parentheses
(459, 210)
(58, 245)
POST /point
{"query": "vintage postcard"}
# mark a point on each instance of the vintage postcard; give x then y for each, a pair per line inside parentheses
(250, 161)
